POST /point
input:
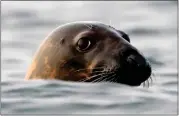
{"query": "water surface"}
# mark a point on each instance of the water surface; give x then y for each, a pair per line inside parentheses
(151, 27)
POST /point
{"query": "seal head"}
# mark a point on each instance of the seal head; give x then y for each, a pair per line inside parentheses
(89, 52)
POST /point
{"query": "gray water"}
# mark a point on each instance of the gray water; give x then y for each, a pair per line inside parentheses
(152, 27)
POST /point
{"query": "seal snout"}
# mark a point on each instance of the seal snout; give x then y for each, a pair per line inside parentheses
(135, 69)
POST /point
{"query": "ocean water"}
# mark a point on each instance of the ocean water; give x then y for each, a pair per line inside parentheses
(152, 27)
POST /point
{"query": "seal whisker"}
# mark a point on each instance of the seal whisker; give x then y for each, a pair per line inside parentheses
(151, 80)
(114, 78)
(85, 79)
(153, 73)
(153, 76)
(111, 79)
(100, 78)
(148, 83)
(108, 77)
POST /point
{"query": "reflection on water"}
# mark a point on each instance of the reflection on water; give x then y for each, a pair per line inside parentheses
(151, 27)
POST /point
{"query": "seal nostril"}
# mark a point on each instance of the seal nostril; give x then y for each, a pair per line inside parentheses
(131, 60)
(135, 59)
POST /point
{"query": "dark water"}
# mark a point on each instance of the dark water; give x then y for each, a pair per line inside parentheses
(152, 29)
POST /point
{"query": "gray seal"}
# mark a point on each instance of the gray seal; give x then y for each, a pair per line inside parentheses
(89, 52)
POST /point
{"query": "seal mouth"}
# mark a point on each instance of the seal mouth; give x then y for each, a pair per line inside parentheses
(124, 75)
(134, 76)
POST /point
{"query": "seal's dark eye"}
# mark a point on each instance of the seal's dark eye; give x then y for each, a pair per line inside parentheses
(83, 44)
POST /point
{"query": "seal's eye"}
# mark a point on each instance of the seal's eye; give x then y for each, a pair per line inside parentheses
(84, 44)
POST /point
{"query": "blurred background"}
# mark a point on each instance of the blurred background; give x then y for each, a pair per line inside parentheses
(152, 27)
